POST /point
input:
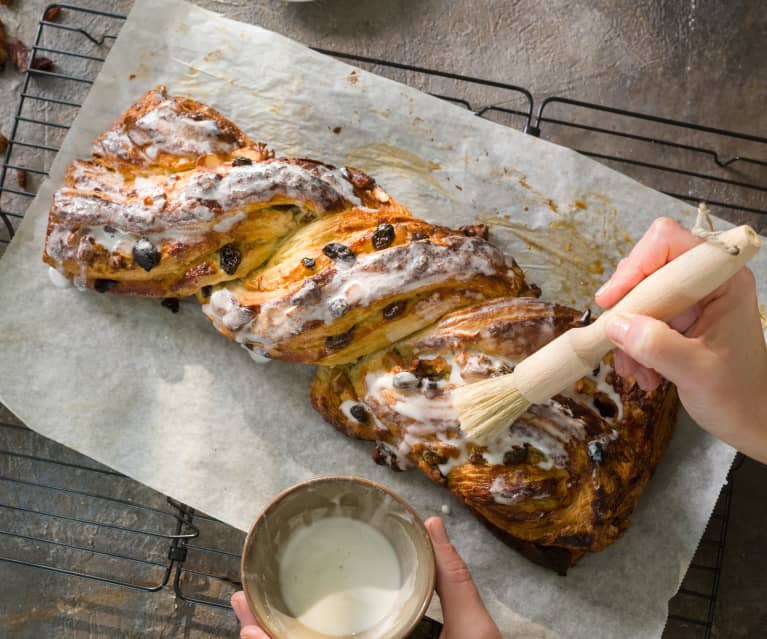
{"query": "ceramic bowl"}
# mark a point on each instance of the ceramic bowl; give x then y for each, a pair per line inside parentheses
(353, 497)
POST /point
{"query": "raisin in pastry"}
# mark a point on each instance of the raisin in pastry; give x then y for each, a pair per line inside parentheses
(561, 481)
(176, 198)
(366, 283)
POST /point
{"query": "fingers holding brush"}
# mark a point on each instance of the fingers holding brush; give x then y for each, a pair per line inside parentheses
(663, 241)
(714, 351)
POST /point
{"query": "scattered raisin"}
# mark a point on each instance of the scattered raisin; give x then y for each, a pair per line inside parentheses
(605, 405)
(515, 456)
(41, 63)
(308, 262)
(145, 254)
(432, 458)
(230, 259)
(171, 303)
(102, 286)
(383, 236)
(394, 309)
(596, 452)
(206, 291)
(242, 161)
(337, 342)
(359, 413)
(419, 236)
(385, 456)
(51, 13)
(336, 251)
(336, 130)
(21, 179)
(338, 307)
(405, 381)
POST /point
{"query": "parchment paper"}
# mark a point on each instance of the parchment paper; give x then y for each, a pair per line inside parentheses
(168, 401)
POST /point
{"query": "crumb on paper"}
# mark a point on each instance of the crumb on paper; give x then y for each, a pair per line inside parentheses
(132, 76)
(337, 129)
(445, 509)
(353, 77)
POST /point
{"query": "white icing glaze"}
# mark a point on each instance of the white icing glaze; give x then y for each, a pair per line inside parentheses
(165, 129)
(508, 496)
(602, 386)
(346, 409)
(549, 428)
(57, 279)
(396, 454)
(181, 208)
(112, 240)
(228, 223)
(372, 276)
(339, 576)
(257, 356)
(608, 389)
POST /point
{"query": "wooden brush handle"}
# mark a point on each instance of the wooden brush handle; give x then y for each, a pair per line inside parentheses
(662, 295)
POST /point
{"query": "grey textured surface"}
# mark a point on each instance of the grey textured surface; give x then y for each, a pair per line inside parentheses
(697, 60)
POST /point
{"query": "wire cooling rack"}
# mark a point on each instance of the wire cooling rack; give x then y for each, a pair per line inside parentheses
(128, 536)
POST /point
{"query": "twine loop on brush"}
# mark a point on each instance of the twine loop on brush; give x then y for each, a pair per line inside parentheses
(704, 229)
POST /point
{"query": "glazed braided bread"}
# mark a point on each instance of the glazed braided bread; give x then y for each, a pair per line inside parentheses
(301, 261)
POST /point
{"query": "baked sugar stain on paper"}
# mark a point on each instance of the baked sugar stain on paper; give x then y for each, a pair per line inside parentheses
(375, 157)
(578, 249)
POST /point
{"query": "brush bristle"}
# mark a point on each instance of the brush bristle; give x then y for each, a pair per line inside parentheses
(485, 408)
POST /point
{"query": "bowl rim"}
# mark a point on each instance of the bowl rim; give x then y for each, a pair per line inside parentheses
(431, 576)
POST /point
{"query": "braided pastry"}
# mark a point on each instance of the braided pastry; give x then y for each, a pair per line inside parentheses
(561, 481)
(351, 283)
(300, 261)
(177, 198)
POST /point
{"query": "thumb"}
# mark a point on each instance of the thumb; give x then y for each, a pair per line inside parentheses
(464, 613)
(654, 344)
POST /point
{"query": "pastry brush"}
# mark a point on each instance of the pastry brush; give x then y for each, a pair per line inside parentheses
(488, 407)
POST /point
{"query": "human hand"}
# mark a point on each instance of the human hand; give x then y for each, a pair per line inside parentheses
(714, 352)
(249, 628)
(462, 609)
(464, 613)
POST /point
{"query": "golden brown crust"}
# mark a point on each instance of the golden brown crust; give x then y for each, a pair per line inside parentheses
(562, 481)
(372, 279)
(169, 133)
(301, 261)
(177, 198)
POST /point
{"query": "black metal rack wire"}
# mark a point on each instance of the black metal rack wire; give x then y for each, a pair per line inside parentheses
(168, 544)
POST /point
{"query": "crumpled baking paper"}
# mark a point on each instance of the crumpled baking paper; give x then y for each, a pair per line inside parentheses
(165, 399)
